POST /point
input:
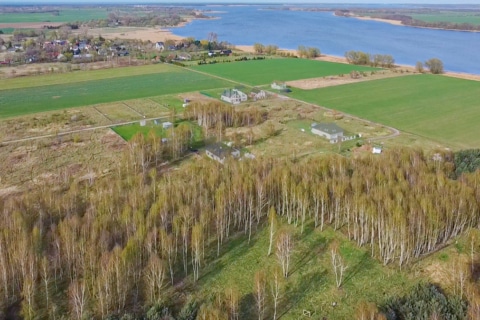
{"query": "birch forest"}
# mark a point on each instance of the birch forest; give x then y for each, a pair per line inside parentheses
(119, 242)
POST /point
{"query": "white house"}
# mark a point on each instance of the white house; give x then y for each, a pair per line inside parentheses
(328, 130)
(159, 46)
(279, 85)
(376, 150)
(233, 96)
(219, 152)
(258, 94)
(167, 125)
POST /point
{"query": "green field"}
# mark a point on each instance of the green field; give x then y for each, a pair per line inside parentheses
(440, 108)
(64, 15)
(78, 76)
(261, 72)
(16, 102)
(450, 17)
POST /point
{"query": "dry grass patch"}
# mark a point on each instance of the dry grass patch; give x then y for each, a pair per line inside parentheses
(57, 160)
(52, 122)
(315, 83)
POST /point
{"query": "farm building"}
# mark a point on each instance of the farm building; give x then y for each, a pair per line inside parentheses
(233, 96)
(167, 125)
(328, 130)
(258, 94)
(279, 85)
(159, 46)
(219, 152)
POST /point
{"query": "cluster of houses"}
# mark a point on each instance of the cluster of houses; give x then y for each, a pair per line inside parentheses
(56, 50)
(237, 95)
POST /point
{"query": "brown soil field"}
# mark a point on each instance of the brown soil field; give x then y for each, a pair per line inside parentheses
(315, 83)
(144, 34)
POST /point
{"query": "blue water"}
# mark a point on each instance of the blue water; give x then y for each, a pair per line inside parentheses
(246, 25)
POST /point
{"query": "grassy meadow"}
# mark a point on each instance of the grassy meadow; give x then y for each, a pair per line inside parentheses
(261, 72)
(449, 16)
(311, 282)
(15, 102)
(440, 108)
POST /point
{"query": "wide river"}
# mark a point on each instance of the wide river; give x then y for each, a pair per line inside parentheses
(246, 25)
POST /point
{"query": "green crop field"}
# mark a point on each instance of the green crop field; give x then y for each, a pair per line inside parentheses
(16, 102)
(440, 108)
(450, 17)
(78, 76)
(261, 72)
(64, 15)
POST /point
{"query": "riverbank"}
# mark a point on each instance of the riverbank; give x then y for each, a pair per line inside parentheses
(338, 59)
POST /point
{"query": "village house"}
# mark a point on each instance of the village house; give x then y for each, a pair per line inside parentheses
(167, 125)
(160, 46)
(257, 94)
(233, 96)
(328, 130)
(279, 85)
(220, 151)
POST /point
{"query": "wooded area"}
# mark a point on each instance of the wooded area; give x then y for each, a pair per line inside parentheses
(123, 242)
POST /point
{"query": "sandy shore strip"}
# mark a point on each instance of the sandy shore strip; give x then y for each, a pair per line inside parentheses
(394, 22)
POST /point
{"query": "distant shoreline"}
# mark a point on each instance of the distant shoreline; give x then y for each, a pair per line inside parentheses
(399, 23)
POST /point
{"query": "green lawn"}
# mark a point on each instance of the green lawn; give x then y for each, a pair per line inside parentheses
(15, 102)
(128, 131)
(441, 108)
(64, 15)
(261, 72)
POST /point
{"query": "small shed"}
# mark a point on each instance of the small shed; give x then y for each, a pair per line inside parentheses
(279, 85)
(167, 125)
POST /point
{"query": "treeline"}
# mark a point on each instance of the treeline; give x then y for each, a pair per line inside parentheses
(466, 161)
(119, 244)
(367, 59)
(216, 114)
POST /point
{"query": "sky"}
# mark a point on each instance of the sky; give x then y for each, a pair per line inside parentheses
(242, 1)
